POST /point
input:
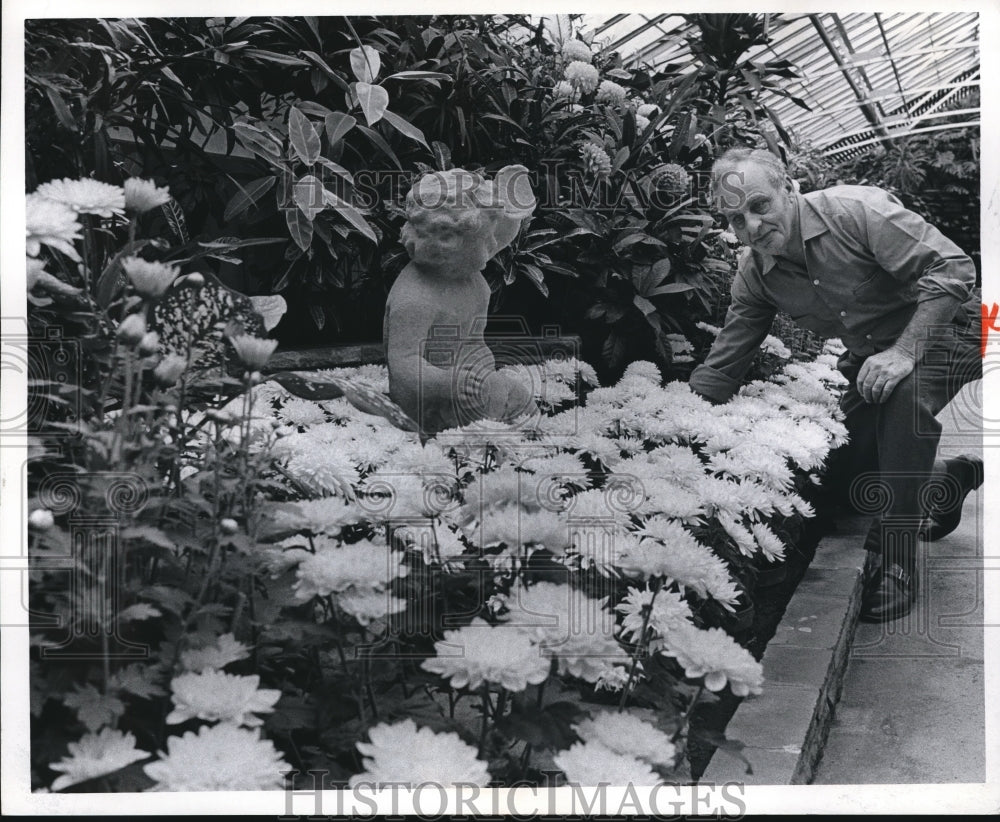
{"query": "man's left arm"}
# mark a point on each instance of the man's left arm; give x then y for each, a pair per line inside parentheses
(908, 247)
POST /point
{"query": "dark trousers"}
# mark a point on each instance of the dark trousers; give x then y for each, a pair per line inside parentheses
(887, 467)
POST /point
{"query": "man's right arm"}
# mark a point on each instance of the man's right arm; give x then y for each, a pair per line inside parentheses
(748, 322)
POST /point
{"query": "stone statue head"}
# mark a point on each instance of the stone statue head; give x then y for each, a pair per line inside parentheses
(456, 220)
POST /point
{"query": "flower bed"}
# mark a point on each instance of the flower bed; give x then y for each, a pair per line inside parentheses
(322, 591)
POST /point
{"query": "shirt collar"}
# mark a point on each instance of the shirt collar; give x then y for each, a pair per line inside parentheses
(810, 225)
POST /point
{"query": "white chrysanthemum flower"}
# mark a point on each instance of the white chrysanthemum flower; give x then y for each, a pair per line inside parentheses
(150, 279)
(772, 547)
(591, 763)
(574, 629)
(648, 110)
(50, 223)
(645, 370)
(214, 657)
(365, 565)
(690, 563)
(254, 352)
(568, 369)
(563, 90)
(611, 93)
(667, 609)
(613, 677)
(624, 733)
(479, 653)
(298, 411)
(143, 195)
(94, 755)
(582, 75)
(513, 526)
(563, 469)
(218, 696)
(641, 123)
(403, 753)
(773, 345)
(367, 606)
(744, 540)
(577, 50)
(85, 196)
(391, 496)
(500, 489)
(321, 470)
(714, 655)
(219, 758)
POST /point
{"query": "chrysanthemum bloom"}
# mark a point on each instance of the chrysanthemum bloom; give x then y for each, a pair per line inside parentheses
(404, 753)
(85, 196)
(641, 123)
(214, 657)
(591, 764)
(772, 547)
(714, 655)
(563, 90)
(50, 223)
(647, 110)
(214, 695)
(366, 606)
(219, 758)
(150, 279)
(253, 351)
(169, 370)
(41, 519)
(611, 93)
(596, 161)
(143, 195)
(96, 754)
(624, 733)
(480, 653)
(614, 677)
(364, 565)
(577, 50)
(668, 608)
(582, 75)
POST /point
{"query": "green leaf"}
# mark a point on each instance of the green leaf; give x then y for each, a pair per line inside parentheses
(274, 57)
(430, 76)
(299, 227)
(329, 72)
(308, 195)
(258, 141)
(669, 288)
(366, 63)
(381, 144)
(442, 155)
(350, 213)
(336, 168)
(247, 196)
(303, 136)
(405, 128)
(63, 114)
(373, 101)
(644, 305)
(536, 276)
(337, 125)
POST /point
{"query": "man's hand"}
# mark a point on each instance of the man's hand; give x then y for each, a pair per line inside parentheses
(881, 373)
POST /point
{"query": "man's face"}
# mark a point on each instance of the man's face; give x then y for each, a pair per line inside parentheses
(761, 214)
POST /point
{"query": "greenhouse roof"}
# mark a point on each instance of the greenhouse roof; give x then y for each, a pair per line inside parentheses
(865, 76)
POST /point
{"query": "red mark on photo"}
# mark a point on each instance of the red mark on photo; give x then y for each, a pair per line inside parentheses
(989, 324)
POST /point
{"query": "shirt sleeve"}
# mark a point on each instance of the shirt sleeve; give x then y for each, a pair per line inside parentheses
(909, 248)
(748, 322)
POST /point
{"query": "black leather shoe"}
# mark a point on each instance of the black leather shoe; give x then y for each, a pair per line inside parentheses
(892, 597)
(941, 522)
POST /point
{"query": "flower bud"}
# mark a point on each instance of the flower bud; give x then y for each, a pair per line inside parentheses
(143, 195)
(195, 279)
(149, 279)
(228, 526)
(41, 519)
(149, 344)
(132, 329)
(169, 370)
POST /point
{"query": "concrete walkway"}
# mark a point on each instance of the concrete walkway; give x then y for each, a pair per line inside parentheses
(912, 708)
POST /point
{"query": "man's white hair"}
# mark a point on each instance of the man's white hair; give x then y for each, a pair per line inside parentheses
(760, 157)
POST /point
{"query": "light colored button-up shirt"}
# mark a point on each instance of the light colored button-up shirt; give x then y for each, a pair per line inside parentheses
(869, 261)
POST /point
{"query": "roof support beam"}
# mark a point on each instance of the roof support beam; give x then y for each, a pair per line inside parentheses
(869, 111)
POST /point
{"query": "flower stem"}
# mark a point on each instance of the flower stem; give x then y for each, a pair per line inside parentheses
(687, 713)
(643, 644)
(486, 719)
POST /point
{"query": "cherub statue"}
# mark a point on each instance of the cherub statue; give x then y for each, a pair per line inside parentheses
(441, 372)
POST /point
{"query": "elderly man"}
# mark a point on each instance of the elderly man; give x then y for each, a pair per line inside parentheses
(851, 262)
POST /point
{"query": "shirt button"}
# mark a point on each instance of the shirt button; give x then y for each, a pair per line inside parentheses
(843, 313)
(815, 282)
